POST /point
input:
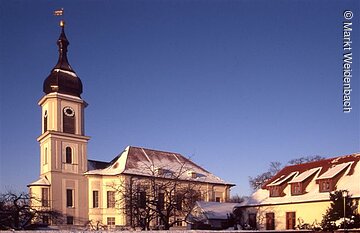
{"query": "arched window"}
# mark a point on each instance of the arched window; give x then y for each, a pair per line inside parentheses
(45, 156)
(68, 120)
(45, 121)
(68, 157)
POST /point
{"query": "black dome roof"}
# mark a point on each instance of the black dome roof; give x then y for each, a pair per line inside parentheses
(62, 78)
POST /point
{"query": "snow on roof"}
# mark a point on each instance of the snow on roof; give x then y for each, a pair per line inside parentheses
(283, 179)
(216, 210)
(147, 162)
(333, 171)
(66, 72)
(303, 176)
(329, 168)
(40, 182)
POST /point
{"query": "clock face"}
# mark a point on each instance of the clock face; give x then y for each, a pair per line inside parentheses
(68, 111)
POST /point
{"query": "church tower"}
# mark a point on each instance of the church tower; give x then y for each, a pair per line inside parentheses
(63, 144)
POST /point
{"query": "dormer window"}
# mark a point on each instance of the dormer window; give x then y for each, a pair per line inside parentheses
(192, 174)
(296, 188)
(325, 185)
(159, 171)
(274, 191)
(277, 187)
(300, 182)
(327, 181)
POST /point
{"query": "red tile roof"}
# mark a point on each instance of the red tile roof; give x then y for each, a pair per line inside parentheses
(325, 165)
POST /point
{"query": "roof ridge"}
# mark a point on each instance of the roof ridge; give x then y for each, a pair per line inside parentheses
(322, 160)
(168, 152)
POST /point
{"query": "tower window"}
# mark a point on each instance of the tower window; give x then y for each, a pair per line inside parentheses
(45, 121)
(45, 197)
(46, 156)
(68, 120)
(69, 198)
(68, 156)
(69, 220)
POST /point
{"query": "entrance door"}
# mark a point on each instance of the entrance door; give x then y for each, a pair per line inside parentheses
(290, 220)
(270, 221)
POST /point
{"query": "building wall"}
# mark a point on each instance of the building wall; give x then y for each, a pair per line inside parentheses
(60, 174)
(102, 184)
(305, 213)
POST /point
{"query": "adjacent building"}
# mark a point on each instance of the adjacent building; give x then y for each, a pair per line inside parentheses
(299, 194)
(83, 190)
(211, 215)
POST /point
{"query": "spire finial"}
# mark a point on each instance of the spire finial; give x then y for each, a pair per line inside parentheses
(62, 44)
(62, 78)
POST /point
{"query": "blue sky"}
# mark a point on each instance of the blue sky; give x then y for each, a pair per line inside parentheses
(233, 84)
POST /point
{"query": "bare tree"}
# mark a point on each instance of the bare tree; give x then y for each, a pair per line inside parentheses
(237, 198)
(305, 159)
(163, 197)
(17, 213)
(257, 181)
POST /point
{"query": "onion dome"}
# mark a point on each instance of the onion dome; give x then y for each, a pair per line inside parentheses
(62, 78)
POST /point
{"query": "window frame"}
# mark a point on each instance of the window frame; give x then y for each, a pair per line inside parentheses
(270, 225)
(275, 191)
(290, 216)
(95, 199)
(70, 203)
(325, 185)
(297, 189)
(68, 155)
(110, 199)
(45, 156)
(69, 220)
(45, 197)
(45, 120)
(111, 222)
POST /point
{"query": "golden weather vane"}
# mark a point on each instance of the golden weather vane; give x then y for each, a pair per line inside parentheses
(60, 12)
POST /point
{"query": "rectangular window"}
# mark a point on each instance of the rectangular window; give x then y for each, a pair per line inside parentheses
(179, 202)
(325, 185)
(45, 197)
(161, 198)
(111, 221)
(290, 220)
(142, 199)
(274, 191)
(68, 155)
(69, 198)
(296, 189)
(270, 221)
(45, 156)
(252, 221)
(217, 199)
(45, 219)
(69, 220)
(179, 222)
(110, 199)
(95, 199)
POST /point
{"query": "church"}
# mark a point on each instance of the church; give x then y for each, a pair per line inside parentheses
(85, 190)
